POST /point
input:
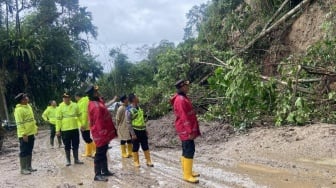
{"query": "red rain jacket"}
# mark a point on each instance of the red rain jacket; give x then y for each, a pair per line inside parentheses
(101, 125)
(186, 123)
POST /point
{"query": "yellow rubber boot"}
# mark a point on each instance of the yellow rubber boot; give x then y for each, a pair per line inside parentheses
(129, 150)
(123, 151)
(87, 151)
(148, 158)
(93, 149)
(194, 174)
(187, 171)
(136, 159)
(182, 164)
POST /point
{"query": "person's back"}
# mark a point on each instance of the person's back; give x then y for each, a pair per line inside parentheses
(123, 132)
(120, 117)
(101, 124)
(83, 104)
(103, 131)
(83, 123)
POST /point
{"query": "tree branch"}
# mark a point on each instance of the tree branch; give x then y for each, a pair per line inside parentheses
(274, 26)
(304, 90)
(275, 15)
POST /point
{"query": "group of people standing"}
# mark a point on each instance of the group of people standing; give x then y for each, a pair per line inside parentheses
(91, 116)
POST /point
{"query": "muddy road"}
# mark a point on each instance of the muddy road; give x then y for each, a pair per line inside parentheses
(283, 157)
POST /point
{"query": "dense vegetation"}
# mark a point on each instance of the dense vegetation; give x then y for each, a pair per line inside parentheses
(44, 50)
(225, 54)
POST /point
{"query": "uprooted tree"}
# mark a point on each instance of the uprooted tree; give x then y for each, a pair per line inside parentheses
(300, 91)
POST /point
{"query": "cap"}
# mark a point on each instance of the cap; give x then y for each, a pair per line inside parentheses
(122, 98)
(20, 96)
(66, 95)
(181, 83)
(78, 94)
(91, 88)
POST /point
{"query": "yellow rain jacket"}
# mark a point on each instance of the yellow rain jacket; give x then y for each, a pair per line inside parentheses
(83, 120)
(49, 115)
(67, 117)
(25, 121)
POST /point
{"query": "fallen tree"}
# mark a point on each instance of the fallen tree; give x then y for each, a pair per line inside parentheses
(268, 29)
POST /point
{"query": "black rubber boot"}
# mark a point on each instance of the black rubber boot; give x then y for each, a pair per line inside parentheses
(59, 139)
(67, 155)
(75, 154)
(29, 161)
(105, 171)
(98, 175)
(52, 142)
(24, 165)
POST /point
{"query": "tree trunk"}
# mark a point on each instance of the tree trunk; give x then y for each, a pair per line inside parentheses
(7, 18)
(274, 26)
(3, 103)
(17, 18)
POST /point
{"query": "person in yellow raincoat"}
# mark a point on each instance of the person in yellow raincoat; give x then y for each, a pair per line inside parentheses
(83, 103)
(67, 115)
(49, 115)
(26, 131)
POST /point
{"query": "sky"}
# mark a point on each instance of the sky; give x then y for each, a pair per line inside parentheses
(129, 24)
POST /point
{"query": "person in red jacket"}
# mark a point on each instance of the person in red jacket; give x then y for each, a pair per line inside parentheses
(187, 128)
(102, 130)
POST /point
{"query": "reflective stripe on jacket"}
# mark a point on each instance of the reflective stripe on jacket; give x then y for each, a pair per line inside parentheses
(138, 120)
(25, 121)
(67, 117)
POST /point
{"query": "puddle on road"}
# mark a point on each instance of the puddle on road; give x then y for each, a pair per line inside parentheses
(167, 173)
(260, 168)
(222, 177)
(279, 178)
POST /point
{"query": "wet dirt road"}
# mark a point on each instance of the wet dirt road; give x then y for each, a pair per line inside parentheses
(262, 158)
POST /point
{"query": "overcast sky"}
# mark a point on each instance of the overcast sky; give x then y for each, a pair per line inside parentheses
(133, 23)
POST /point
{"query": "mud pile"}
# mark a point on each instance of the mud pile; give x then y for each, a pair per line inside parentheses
(162, 132)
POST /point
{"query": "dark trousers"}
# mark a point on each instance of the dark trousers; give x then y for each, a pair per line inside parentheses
(188, 149)
(123, 142)
(86, 136)
(53, 134)
(70, 139)
(26, 148)
(142, 140)
(100, 156)
(52, 131)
